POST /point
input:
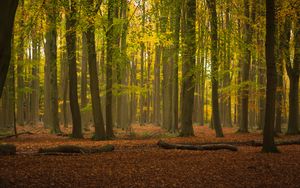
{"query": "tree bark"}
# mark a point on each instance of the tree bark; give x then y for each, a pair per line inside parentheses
(20, 66)
(246, 69)
(7, 16)
(51, 61)
(214, 66)
(188, 83)
(293, 73)
(109, 70)
(71, 53)
(94, 82)
(268, 132)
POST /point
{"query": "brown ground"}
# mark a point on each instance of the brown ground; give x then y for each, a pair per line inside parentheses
(138, 162)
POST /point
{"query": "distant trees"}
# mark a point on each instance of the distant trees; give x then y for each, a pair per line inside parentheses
(148, 64)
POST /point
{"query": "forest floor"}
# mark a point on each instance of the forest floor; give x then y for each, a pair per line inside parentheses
(138, 162)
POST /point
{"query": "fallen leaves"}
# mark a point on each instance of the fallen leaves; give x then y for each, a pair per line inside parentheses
(141, 163)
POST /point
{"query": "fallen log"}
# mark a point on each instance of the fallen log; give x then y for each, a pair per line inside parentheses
(7, 149)
(15, 135)
(69, 149)
(166, 145)
(248, 143)
(236, 143)
(279, 143)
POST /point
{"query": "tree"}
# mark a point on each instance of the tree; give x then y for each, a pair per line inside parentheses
(157, 81)
(94, 82)
(214, 66)
(142, 100)
(188, 82)
(175, 26)
(268, 131)
(83, 81)
(20, 66)
(7, 16)
(246, 68)
(109, 69)
(71, 53)
(293, 71)
(51, 61)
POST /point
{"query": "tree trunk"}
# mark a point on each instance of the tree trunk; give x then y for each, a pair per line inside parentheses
(123, 107)
(214, 67)
(227, 77)
(96, 103)
(293, 73)
(51, 61)
(20, 67)
(7, 16)
(109, 67)
(246, 69)
(35, 83)
(188, 83)
(71, 53)
(84, 82)
(174, 79)
(268, 133)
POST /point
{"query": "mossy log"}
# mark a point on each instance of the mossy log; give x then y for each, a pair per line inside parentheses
(166, 145)
(69, 149)
(7, 149)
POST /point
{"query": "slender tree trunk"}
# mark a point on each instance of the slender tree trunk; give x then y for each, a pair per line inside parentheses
(246, 69)
(96, 103)
(109, 73)
(51, 60)
(124, 116)
(214, 67)
(268, 133)
(174, 78)
(35, 83)
(227, 110)
(20, 67)
(142, 98)
(133, 83)
(188, 85)
(84, 82)
(157, 111)
(279, 61)
(157, 63)
(71, 52)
